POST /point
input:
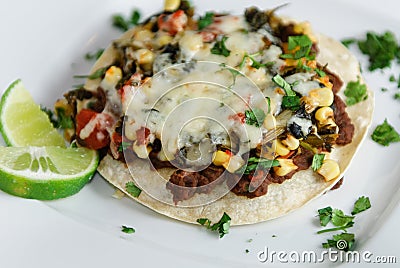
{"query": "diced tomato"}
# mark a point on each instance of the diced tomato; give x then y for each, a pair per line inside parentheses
(240, 117)
(98, 135)
(173, 23)
(142, 135)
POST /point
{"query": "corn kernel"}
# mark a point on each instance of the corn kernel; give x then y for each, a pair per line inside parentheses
(112, 77)
(322, 96)
(269, 122)
(171, 5)
(291, 142)
(329, 170)
(142, 151)
(235, 162)
(220, 157)
(164, 40)
(280, 149)
(143, 35)
(285, 167)
(144, 56)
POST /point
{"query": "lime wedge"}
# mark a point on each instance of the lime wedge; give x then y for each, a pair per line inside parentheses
(23, 123)
(45, 173)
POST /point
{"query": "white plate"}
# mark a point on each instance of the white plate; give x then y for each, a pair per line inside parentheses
(43, 42)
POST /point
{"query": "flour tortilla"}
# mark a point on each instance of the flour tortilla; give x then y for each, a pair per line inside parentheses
(281, 198)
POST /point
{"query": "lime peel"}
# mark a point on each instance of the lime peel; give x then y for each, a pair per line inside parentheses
(22, 122)
(51, 183)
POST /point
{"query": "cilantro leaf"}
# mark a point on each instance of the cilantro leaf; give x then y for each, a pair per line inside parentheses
(385, 134)
(355, 92)
(343, 241)
(132, 189)
(206, 20)
(99, 73)
(127, 230)
(381, 49)
(291, 102)
(340, 219)
(254, 116)
(94, 55)
(396, 96)
(281, 82)
(222, 226)
(347, 42)
(59, 119)
(317, 161)
(135, 17)
(301, 46)
(219, 48)
(340, 228)
(255, 163)
(320, 72)
(63, 121)
(120, 22)
(361, 205)
(123, 24)
(122, 147)
(325, 215)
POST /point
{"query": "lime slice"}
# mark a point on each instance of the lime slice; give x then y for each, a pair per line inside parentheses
(45, 173)
(23, 123)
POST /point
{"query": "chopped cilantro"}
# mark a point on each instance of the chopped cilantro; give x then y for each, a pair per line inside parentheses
(249, 240)
(398, 81)
(300, 45)
(281, 82)
(59, 119)
(320, 72)
(325, 215)
(385, 134)
(64, 121)
(255, 163)
(206, 20)
(268, 100)
(396, 96)
(99, 73)
(127, 230)
(135, 17)
(339, 219)
(122, 147)
(254, 116)
(219, 48)
(347, 42)
(291, 102)
(132, 189)
(317, 161)
(355, 92)
(384, 89)
(118, 21)
(392, 78)
(233, 71)
(381, 49)
(343, 241)
(95, 55)
(361, 205)
(222, 226)
(254, 63)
